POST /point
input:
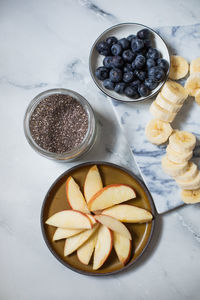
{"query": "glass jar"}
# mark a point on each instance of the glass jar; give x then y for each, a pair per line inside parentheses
(90, 135)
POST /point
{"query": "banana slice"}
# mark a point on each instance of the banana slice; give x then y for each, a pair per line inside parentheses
(197, 96)
(192, 84)
(178, 157)
(179, 67)
(182, 141)
(166, 104)
(195, 65)
(160, 113)
(158, 132)
(189, 174)
(174, 92)
(192, 196)
(173, 169)
(193, 184)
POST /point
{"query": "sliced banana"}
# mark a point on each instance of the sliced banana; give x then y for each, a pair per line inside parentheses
(173, 169)
(193, 184)
(160, 113)
(179, 67)
(192, 84)
(167, 105)
(182, 141)
(178, 157)
(190, 196)
(197, 96)
(195, 65)
(189, 174)
(174, 92)
(157, 131)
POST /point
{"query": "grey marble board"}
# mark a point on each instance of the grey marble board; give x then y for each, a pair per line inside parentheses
(133, 117)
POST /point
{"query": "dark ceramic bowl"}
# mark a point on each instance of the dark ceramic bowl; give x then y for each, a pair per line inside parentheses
(55, 201)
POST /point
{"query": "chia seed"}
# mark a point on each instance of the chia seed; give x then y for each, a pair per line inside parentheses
(59, 123)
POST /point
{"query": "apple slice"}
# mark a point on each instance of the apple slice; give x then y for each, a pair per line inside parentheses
(93, 183)
(62, 233)
(110, 195)
(75, 197)
(72, 219)
(122, 246)
(84, 253)
(103, 247)
(128, 213)
(114, 225)
(74, 242)
(92, 219)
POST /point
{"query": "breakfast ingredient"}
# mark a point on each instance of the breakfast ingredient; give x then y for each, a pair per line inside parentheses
(167, 105)
(103, 247)
(190, 172)
(128, 60)
(197, 96)
(74, 242)
(182, 141)
(195, 65)
(190, 196)
(157, 131)
(93, 183)
(174, 92)
(75, 196)
(178, 157)
(59, 123)
(62, 233)
(114, 225)
(160, 113)
(122, 246)
(92, 219)
(70, 219)
(192, 84)
(128, 213)
(110, 195)
(179, 67)
(173, 169)
(84, 253)
(191, 184)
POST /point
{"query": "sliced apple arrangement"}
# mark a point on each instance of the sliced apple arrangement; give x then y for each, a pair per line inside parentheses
(94, 225)
(181, 143)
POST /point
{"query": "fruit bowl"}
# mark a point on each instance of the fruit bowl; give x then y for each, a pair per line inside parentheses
(121, 31)
(55, 201)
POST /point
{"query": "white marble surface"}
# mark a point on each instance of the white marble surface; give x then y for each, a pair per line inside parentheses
(45, 44)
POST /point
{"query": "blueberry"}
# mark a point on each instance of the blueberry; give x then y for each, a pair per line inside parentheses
(102, 73)
(108, 84)
(131, 92)
(151, 83)
(143, 90)
(115, 75)
(163, 64)
(119, 88)
(137, 45)
(140, 61)
(124, 43)
(147, 43)
(143, 34)
(107, 61)
(128, 55)
(128, 77)
(150, 63)
(135, 83)
(141, 75)
(127, 67)
(103, 48)
(130, 37)
(156, 73)
(116, 49)
(117, 61)
(153, 53)
(111, 40)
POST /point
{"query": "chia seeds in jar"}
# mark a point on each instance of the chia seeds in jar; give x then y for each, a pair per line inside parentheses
(60, 124)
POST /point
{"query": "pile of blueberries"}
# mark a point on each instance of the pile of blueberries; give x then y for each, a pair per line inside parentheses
(131, 66)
